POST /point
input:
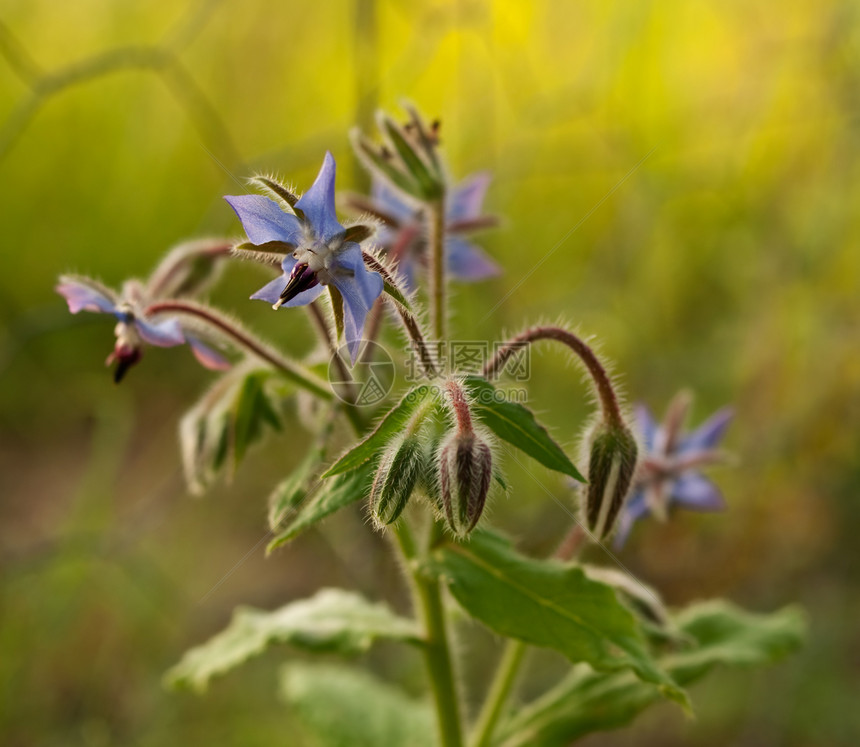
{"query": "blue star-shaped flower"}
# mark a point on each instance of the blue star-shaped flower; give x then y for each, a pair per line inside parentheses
(402, 233)
(319, 252)
(668, 474)
(133, 328)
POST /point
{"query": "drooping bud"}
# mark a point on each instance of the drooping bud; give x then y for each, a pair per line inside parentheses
(465, 472)
(395, 479)
(611, 464)
(127, 350)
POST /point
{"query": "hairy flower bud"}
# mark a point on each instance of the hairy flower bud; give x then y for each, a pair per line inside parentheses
(395, 479)
(465, 471)
(611, 464)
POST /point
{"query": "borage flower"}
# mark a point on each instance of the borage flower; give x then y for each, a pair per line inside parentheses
(403, 235)
(133, 327)
(668, 474)
(319, 252)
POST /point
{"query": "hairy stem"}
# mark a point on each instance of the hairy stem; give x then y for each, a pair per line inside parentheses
(427, 596)
(436, 242)
(603, 384)
(407, 318)
(245, 340)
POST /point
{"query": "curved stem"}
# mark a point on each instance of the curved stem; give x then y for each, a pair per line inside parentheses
(427, 596)
(436, 242)
(244, 340)
(407, 318)
(602, 382)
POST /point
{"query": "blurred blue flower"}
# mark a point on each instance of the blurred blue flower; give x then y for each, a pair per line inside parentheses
(133, 328)
(402, 233)
(318, 252)
(668, 474)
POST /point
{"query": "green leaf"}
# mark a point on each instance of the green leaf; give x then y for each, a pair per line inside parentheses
(344, 707)
(550, 604)
(251, 410)
(232, 415)
(393, 421)
(383, 166)
(587, 701)
(516, 424)
(292, 490)
(430, 186)
(330, 496)
(332, 621)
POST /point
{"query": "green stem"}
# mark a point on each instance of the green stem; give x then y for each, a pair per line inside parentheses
(244, 340)
(503, 682)
(427, 595)
(436, 241)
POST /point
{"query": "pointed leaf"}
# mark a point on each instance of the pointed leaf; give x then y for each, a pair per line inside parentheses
(516, 424)
(587, 701)
(344, 707)
(332, 620)
(330, 496)
(393, 421)
(549, 604)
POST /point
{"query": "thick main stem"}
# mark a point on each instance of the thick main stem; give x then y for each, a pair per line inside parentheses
(427, 595)
(243, 340)
(436, 242)
(602, 382)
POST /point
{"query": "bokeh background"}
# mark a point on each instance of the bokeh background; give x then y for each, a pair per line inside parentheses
(688, 176)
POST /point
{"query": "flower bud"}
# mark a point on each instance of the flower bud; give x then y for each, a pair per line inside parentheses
(611, 465)
(395, 479)
(465, 471)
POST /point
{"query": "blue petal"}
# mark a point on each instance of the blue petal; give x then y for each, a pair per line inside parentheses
(467, 262)
(635, 509)
(709, 433)
(318, 202)
(647, 427)
(208, 356)
(695, 492)
(467, 198)
(164, 334)
(83, 297)
(359, 288)
(264, 221)
(390, 201)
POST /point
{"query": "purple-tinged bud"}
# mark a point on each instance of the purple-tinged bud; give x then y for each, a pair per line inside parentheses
(611, 464)
(127, 350)
(465, 472)
(125, 356)
(302, 278)
(395, 478)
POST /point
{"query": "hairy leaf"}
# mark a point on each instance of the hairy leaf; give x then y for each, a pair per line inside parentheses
(344, 707)
(332, 620)
(516, 424)
(393, 421)
(547, 603)
(329, 496)
(587, 701)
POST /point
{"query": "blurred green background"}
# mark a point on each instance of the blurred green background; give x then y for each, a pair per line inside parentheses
(686, 172)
